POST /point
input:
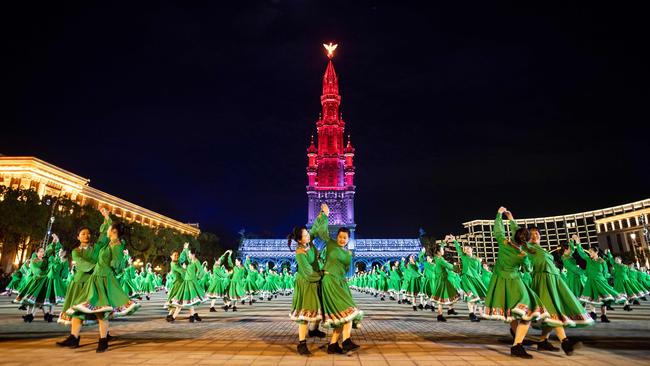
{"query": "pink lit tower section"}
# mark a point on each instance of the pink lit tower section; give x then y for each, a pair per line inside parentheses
(330, 170)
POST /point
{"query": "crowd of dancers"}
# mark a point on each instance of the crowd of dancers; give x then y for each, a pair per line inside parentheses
(523, 287)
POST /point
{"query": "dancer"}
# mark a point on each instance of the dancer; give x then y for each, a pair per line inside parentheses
(306, 307)
(33, 294)
(102, 295)
(486, 275)
(445, 292)
(236, 289)
(575, 276)
(412, 281)
(471, 282)
(218, 285)
(622, 282)
(509, 298)
(562, 305)
(597, 292)
(339, 308)
(189, 293)
(428, 279)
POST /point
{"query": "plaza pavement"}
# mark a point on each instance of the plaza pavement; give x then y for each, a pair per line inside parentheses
(262, 334)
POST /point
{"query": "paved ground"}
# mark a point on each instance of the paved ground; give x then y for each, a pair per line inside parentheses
(392, 334)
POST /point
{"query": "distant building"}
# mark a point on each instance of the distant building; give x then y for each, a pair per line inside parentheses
(619, 228)
(46, 179)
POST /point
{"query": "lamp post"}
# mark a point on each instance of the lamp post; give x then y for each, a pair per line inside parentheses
(633, 237)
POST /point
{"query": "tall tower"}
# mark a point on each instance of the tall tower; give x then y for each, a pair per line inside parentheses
(330, 169)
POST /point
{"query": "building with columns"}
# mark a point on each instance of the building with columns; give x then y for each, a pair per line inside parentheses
(623, 229)
(46, 179)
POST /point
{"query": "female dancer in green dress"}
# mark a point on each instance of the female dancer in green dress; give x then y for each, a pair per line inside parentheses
(445, 292)
(32, 295)
(471, 282)
(509, 298)
(575, 276)
(306, 307)
(236, 289)
(412, 280)
(597, 290)
(486, 275)
(189, 292)
(218, 284)
(395, 281)
(102, 295)
(562, 305)
(428, 275)
(339, 309)
(622, 282)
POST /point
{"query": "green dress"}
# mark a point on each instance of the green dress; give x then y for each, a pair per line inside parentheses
(562, 305)
(445, 292)
(102, 294)
(338, 305)
(250, 282)
(575, 276)
(412, 280)
(218, 283)
(57, 273)
(236, 289)
(189, 292)
(85, 261)
(34, 292)
(16, 279)
(596, 290)
(127, 281)
(486, 276)
(508, 298)
(622, 281)
(177, 273)
(395, 279)
(429, 277)
(148, 282)
(306, 301)
(470, 279)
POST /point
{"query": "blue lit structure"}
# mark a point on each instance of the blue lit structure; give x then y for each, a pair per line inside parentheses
(366, 251)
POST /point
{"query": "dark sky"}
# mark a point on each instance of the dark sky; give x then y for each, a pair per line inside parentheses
(203, 112)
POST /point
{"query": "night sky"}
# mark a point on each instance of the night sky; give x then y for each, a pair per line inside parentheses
(203, 113)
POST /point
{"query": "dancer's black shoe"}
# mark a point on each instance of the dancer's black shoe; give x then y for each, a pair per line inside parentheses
(71, 342)
(302, 349)
(399, 301)
(593, 315)
(441, 318)
(197, 317)
(415, 308)
(609, 307)
(627, 308)
(636, 302)
(569, 345)
(334, 349)
(317, 333)
(170, 318)
(250, 302)
(427, 306)
(22, 307)
(420, 306)
(191, 318)
(604, 319)
(545, 345)
(349, 346)
(213, 310)
(451, 312)
(28, 318)
(102, 346)
(473, 318)
(234, 308)
(519, 351)
(147, 297)
(382, 299)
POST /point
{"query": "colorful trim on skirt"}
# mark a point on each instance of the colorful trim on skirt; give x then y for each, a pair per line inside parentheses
(350, 314)
(521, 311)
(305, 315)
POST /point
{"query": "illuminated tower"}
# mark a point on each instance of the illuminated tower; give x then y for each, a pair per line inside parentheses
(330, 169)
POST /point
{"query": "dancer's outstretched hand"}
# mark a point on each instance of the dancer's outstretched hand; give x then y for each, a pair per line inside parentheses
(325, 208)
(509, 215)
(575, 238)
(502, 209)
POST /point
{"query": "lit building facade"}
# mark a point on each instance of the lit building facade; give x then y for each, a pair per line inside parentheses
(47, 179)
(621, 229)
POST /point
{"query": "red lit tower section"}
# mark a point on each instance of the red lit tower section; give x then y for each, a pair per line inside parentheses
(330, 169)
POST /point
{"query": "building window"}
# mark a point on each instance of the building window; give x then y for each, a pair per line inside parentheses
(609, 243)
(618, 242)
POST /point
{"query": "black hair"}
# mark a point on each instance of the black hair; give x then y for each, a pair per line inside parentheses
(82, 229)
(343, 230)
(595, 248)
(533, 228)
(296, 234)
(522, 236)
(123, 231)
(436, 248)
